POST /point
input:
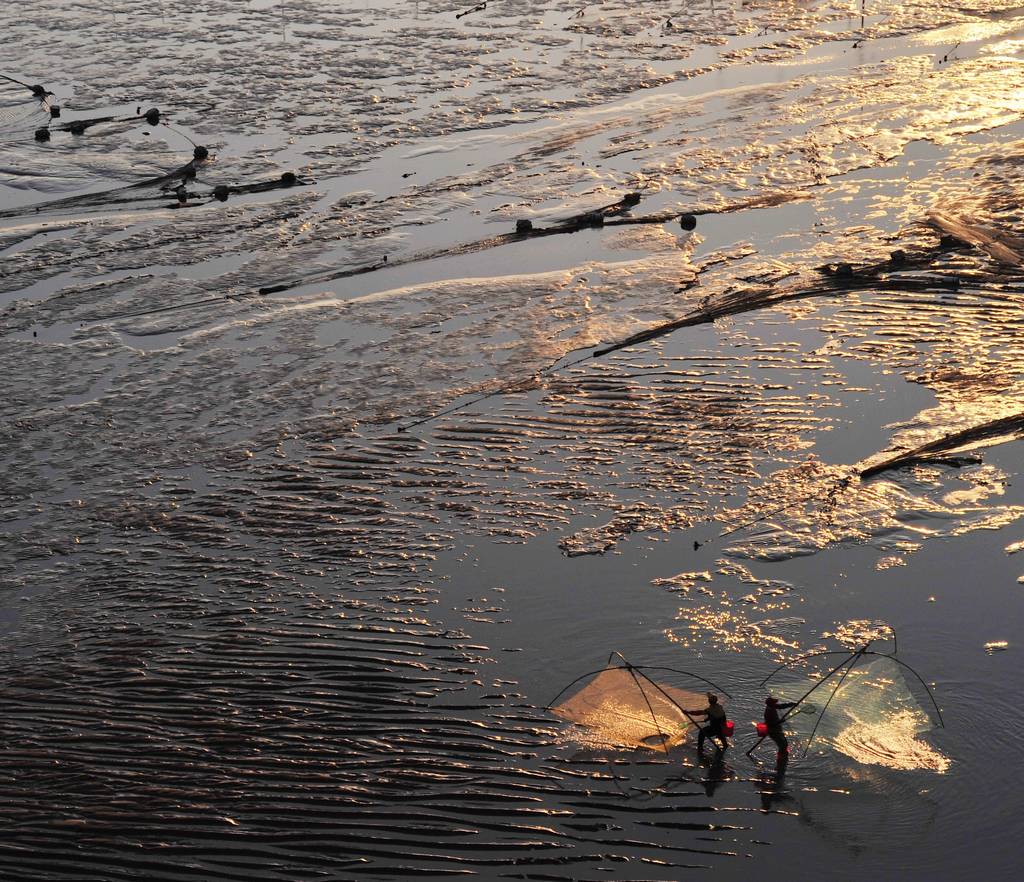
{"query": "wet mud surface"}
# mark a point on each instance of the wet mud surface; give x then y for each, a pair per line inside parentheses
(324, 470)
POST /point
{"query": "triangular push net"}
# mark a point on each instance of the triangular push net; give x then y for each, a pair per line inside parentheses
(874, 717)
(623, 708)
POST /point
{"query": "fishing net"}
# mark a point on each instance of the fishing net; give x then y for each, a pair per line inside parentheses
(875, 717)
(620, 708)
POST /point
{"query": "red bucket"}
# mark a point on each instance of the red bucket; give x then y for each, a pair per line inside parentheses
(728, 728)
(762, 729)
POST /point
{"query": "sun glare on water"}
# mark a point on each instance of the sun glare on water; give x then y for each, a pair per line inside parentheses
(892, 742)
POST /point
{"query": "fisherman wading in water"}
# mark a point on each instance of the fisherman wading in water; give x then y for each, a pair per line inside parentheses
(715, 715)
(774, 723)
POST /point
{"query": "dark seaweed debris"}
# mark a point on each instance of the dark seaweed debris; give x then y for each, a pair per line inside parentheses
(1005, 428)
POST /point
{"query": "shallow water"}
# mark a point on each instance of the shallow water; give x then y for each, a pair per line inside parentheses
(318, 489)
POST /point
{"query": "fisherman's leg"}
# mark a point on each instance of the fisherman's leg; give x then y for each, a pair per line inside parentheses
(702, 733)
(779, 737)
(781, 761)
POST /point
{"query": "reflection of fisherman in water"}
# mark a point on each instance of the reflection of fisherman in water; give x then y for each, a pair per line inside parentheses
(772, 786)
(717, 772)
(774, 723)
(715, 715)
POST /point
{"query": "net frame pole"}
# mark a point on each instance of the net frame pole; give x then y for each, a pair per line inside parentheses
(641, 668)
(853, 663)
(803, 698)
(713, 685)
(633, 670)
(849, 658)
(920, 679)
(800, 658)
(573, 683)
(678, 706)
(654, 717)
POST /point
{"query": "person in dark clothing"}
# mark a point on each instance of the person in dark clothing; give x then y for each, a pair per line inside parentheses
(714, 713)
(772, 706)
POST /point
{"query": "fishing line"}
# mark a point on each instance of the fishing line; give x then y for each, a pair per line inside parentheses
(838, 484)
(179, 132)
(714, 686)
(160, 309)
(615, 777)
(927, 688)
(504, 390)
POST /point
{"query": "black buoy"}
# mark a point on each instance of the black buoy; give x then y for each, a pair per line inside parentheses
(54, 111)
(593, 219)
(152, 116)
(42, 135)
(220, 193)
(843, 270)
(288, 179)
(631, 199)
(524, 225)
(181, 193)
(200, 152)
(948, 241)
(688, 221)
(898, 257)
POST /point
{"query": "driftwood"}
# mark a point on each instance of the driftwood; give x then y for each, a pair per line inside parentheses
(1004, 248)
(1012, 426)
(934, 452)
(749, 299)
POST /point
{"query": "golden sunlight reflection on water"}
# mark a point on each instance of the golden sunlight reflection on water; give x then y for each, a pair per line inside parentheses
(892, 742)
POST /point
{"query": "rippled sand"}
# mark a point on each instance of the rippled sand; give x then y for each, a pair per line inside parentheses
(321, 477)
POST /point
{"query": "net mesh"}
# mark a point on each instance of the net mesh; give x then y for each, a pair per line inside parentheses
(618, 709)
(874, 718)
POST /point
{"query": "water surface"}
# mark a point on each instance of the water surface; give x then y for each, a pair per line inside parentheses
(319, 485)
